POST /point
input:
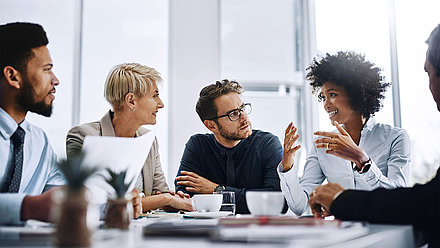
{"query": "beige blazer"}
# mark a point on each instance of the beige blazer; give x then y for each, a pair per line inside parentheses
(154, 179)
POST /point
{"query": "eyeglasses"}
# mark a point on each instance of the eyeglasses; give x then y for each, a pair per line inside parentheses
(235, 114)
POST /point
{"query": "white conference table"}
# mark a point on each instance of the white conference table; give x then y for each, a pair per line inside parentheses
(354, 235)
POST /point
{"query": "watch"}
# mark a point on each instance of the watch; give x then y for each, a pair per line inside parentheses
(365, 166)
(219, 188)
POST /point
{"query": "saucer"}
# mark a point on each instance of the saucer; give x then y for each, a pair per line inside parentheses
(206, 215)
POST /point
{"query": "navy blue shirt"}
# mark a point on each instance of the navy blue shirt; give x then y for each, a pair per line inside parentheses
(255, 160)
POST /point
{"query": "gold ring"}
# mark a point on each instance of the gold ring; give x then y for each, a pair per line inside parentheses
(328, 144)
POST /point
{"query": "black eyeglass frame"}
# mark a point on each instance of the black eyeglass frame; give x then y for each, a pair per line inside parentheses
(240, 111)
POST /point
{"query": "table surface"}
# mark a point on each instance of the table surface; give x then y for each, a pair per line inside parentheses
(349, 234)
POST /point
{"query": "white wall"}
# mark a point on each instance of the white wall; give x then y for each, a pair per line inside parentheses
(194, 63)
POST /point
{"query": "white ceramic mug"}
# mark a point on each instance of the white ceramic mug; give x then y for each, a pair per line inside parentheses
(265, 202)
(207, 202)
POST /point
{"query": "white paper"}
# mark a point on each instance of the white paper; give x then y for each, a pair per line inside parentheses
(117, 154)
(298, 236)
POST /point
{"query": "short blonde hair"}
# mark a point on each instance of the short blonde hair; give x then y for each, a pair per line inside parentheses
(129, 78)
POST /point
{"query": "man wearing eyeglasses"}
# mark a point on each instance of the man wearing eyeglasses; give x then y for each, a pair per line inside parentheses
(233, 157)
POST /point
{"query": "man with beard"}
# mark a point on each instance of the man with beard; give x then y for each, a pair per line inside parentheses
(418, 206)
(27, 161)
(234, 157)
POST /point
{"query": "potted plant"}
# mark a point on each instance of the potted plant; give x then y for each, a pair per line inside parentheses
(72, 227)
(119, 209)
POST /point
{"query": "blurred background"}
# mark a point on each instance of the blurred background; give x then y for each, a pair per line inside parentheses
(265, 45)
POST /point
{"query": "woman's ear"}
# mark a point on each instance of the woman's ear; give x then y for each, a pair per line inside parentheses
(129, 101)
(211, 125)
(12, 76)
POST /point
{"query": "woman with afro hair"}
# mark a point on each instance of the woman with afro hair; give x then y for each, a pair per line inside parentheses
(360, 153)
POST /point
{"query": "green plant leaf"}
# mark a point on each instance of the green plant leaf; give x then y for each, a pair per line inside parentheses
(76, 175)
(117, 181)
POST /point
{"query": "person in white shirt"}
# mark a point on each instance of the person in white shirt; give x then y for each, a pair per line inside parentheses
(27, 161)
(360, 154)
(417, 206)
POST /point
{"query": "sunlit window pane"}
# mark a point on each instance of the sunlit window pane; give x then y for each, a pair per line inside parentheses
(59, 26)
(420, 117)
(258, 49)
(360, 26)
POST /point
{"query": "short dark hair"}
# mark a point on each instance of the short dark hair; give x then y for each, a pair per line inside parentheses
(433, 42)
(16, 41)
(205, 106)
(360, 78)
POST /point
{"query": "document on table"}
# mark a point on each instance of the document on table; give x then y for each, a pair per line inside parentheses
(296, 235)
(117, 154)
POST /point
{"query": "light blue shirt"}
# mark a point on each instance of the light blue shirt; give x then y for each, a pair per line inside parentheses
(388, 147)
(40, 171)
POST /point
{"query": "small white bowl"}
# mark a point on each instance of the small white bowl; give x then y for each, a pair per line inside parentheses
(265, 202)
(207, 202)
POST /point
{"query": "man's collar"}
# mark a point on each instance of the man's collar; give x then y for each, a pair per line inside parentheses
(222, 147)
(8, 125)
(237, 147)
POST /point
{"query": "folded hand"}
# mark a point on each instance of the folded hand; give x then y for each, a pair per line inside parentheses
(195, 183)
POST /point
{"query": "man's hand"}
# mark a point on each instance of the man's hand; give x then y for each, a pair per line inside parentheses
(195, 183)
(322, 197)
(38, 207)
(136, 200)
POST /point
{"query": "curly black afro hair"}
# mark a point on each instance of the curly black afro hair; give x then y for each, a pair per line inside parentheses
(360, 78)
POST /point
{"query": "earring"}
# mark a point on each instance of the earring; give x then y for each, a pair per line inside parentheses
(133, 109)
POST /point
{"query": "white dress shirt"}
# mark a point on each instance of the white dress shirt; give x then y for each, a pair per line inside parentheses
(40, 169)
(388, 147)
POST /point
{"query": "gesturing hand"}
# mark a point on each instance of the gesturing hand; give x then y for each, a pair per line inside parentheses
(195, 183)
(290, 137)
(341, 145)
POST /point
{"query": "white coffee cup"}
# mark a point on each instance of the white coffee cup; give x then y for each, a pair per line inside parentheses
(207, 202)
(265, 202)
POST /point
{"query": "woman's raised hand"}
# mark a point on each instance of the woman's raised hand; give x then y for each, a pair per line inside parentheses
(289, 148)
(341, 145)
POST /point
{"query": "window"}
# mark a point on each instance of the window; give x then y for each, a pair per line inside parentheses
(420, 117)
(363, 26)
(258, 49)
(135, 31)
(360, 26)
(59, 26)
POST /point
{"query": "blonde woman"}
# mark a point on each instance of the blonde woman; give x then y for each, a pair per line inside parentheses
(131, 89)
